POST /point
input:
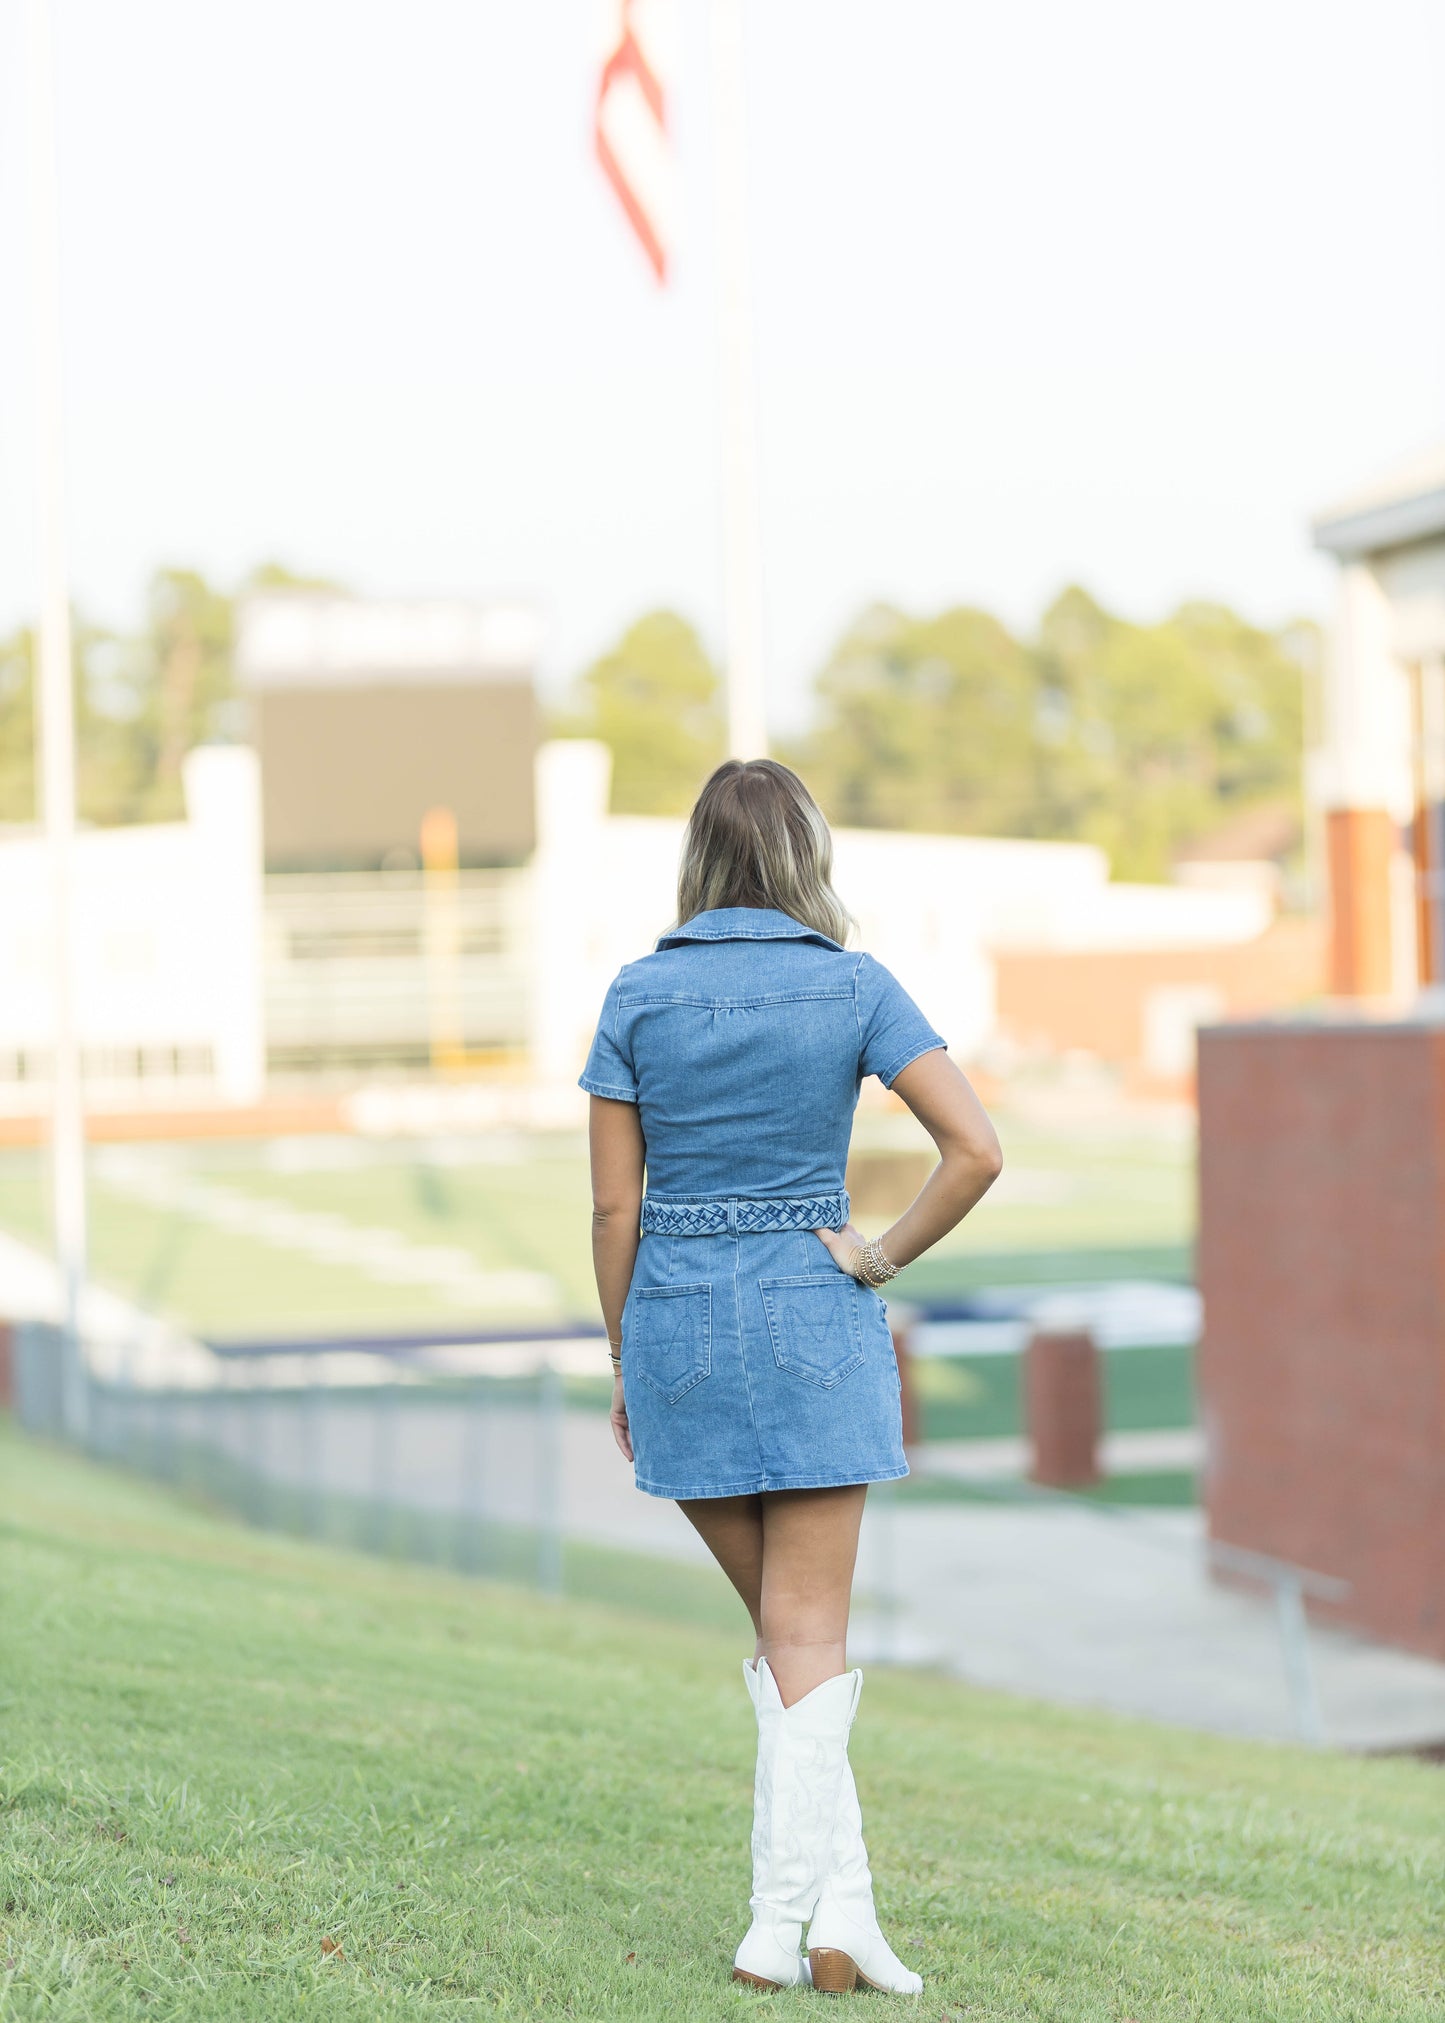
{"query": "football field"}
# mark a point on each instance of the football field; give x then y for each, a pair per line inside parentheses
(289, 1235)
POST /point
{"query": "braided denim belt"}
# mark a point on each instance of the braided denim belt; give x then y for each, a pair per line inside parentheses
(720, 1217)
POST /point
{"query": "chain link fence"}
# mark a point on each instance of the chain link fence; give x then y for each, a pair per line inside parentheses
(347, 1447)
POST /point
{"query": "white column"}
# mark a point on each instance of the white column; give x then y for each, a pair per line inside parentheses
(1365, 751)
(223, 808)
(55, 706)
(742, 545)
(571, 945)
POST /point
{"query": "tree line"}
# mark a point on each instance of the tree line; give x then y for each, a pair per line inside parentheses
(142, 699)
(1143, 739)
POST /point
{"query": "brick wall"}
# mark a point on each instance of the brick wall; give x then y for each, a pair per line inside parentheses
(1322, 1265)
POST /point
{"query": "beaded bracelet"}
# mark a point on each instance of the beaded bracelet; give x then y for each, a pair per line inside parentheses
(872, 1264)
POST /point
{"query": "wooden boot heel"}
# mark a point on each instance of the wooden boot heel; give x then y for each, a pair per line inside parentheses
(834, 1973)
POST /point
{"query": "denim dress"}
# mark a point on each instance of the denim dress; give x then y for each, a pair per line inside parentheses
(750, 1361)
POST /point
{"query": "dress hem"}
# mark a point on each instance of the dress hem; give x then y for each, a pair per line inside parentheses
(755, 1487)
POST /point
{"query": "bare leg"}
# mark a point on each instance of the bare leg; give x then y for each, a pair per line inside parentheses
(731, 1527)
(810, 1547)
(790, 1554)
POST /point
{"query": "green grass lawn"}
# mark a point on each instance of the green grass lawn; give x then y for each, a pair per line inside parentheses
(1154, 1489)
(980, 1397)
(244, 1777)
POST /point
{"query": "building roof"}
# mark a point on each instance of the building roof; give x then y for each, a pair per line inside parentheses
(1406, 505)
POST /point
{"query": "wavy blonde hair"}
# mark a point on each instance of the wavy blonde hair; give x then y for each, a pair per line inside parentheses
(756, 837)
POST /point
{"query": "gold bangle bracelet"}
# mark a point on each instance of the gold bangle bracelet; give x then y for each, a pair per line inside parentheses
(872, 1265)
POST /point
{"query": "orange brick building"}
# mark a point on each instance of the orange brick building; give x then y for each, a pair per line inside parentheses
(1322, 1368)
(1137, 1008)
(1322, 1145)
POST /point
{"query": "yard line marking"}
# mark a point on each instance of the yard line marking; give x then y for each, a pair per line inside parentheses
(382, 1254)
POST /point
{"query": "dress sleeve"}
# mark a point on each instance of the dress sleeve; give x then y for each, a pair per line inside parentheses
(608, 1070)
(892, 1031)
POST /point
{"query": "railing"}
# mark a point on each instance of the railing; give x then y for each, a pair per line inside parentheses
(455, 1456)
(352, 1448)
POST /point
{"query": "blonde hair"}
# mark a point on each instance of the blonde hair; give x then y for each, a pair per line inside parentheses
(756, 837)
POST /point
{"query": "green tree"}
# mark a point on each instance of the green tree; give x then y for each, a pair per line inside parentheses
(17, 728)
(1170, 730)
(107, 757)
(1138, 738)
(925, 724)
(655, 700)
(144, 701)
(141, 703)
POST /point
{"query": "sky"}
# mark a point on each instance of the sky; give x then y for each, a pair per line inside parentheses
(1043, 293)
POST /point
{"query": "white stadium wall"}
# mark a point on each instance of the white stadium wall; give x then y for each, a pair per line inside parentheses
(171, 954)
(167, 952)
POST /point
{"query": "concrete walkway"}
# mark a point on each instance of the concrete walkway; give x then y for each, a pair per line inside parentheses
(1079, 1604)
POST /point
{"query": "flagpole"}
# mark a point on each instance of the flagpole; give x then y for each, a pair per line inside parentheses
(55, 712)
(742, 543)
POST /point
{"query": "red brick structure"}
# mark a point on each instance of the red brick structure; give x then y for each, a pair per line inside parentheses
(1361, 843)
(1097, 999)
(1061, 1408)
(1322, 1265)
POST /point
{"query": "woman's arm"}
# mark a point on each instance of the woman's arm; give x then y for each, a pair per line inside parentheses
(618, 1156)
(970, 1160)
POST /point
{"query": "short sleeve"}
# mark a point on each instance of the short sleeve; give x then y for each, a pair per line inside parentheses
(892, 1031)
(608, 1071)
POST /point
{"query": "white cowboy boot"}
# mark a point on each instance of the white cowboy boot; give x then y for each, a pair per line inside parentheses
(802, 1754)
(845, 1946)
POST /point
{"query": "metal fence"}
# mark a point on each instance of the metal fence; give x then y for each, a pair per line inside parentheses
(417, 1453)
(350, 1448)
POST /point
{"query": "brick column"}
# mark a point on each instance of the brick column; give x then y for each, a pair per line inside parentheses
(1361, 844)
(1061, 1408)
(1321, 1262)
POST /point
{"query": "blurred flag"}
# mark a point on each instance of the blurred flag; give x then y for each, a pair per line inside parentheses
(631, 126)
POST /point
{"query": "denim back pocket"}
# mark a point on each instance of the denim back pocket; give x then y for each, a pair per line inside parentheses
(813, 1320)
(671, 1344)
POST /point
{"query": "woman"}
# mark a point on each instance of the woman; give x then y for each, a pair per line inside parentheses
(754, 1375)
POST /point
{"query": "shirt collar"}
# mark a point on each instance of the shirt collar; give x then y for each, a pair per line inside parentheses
(744, 923)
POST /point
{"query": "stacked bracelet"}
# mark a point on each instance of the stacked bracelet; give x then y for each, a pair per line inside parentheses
(614, 1350)
(872, 1265)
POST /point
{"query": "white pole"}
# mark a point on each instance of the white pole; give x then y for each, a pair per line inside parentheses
(55, 707)
(742, 547)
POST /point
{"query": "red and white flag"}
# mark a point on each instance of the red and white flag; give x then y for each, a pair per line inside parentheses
(631, 124)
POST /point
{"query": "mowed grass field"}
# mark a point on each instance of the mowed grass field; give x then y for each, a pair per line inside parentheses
(245, 1778)
(1087, 1203)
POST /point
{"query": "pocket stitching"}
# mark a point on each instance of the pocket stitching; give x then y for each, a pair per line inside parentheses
(675, 1393)
(851, 1362)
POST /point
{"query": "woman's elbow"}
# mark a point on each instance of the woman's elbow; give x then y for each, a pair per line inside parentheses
(615, 1212)
(977, 1157)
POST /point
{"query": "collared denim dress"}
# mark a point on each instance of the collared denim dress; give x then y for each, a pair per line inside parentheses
(750, 1361)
